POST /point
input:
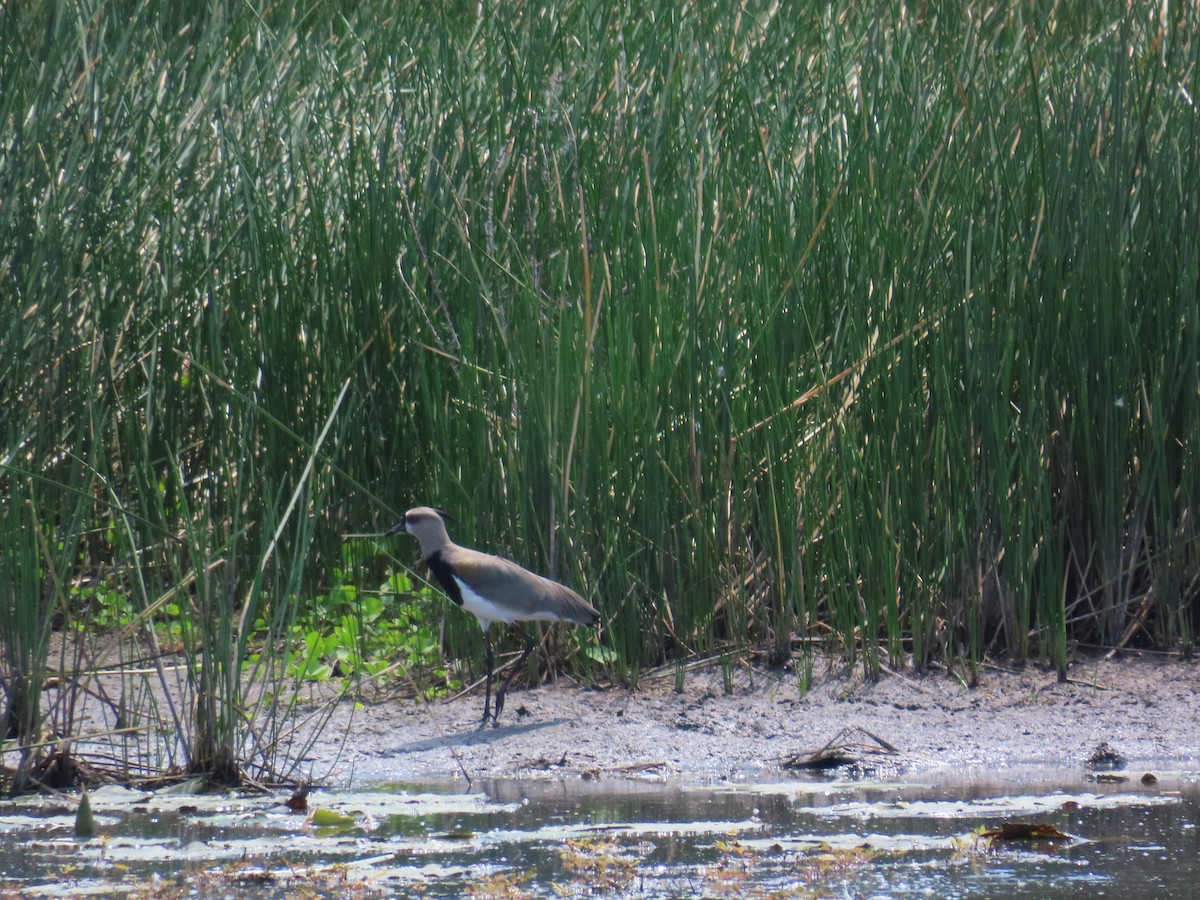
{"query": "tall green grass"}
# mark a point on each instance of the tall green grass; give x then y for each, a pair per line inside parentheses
(758, 324)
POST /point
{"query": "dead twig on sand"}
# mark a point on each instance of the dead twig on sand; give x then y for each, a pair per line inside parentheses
(841, 750)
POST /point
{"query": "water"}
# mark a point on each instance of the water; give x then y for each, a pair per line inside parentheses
(802, 837)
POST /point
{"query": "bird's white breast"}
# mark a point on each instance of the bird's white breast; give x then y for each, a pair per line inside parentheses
(483, 609)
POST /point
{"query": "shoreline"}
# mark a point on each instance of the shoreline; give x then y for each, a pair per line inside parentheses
(1144, 708)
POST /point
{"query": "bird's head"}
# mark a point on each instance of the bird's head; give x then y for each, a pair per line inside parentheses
(427, 525)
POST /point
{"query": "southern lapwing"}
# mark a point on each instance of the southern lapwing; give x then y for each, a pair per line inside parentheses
(493, 590)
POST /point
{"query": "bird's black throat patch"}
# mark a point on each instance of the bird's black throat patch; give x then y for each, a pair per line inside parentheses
(444, 573)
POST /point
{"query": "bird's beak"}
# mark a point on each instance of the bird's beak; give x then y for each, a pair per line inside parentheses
(395, 529)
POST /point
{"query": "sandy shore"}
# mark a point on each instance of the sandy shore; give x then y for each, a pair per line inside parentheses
(1148, 709)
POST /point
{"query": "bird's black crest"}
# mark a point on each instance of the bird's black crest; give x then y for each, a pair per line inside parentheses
(399, 526)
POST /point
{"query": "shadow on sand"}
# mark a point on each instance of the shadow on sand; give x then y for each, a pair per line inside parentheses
(470, 737)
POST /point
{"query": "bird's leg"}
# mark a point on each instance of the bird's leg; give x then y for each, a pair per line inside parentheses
(511, 675)
(487, 692)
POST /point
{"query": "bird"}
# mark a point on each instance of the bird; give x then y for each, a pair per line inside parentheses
(493, 589)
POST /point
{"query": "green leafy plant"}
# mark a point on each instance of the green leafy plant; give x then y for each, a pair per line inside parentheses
(382, 634)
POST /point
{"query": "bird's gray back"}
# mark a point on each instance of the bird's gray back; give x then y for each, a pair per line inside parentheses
(524, 595)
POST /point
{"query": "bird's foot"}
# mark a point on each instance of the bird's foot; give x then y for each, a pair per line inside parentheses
(487, 716)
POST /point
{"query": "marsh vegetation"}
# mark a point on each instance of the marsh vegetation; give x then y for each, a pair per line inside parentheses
(763, 325)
